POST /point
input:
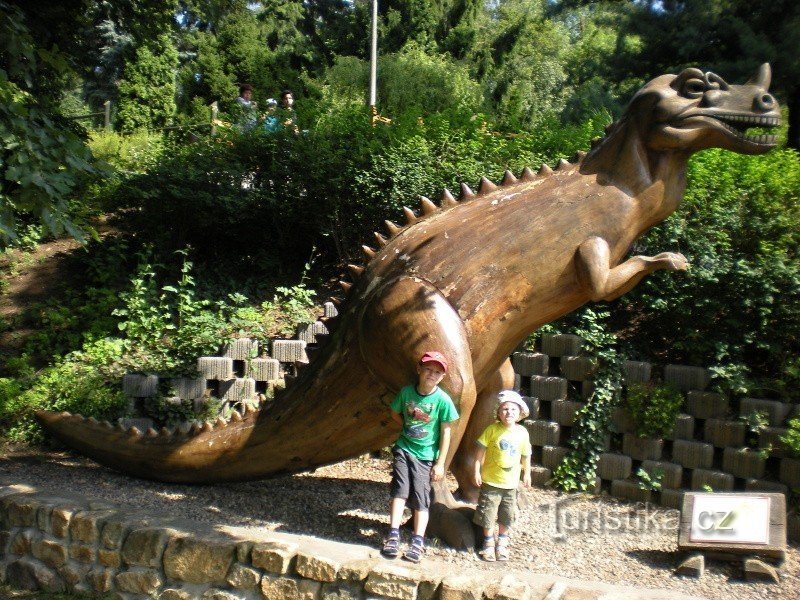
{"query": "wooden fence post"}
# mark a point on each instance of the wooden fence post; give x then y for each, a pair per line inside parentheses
(214, 111)
(107, 114)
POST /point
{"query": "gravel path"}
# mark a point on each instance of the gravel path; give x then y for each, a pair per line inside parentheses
(595, 539)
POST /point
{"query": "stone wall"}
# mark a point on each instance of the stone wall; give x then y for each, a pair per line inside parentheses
(706, 447)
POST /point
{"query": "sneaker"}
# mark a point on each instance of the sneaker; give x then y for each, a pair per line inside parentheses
(391, 545)
(415, 550)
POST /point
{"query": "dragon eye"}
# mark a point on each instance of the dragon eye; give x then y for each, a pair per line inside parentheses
(694, 88)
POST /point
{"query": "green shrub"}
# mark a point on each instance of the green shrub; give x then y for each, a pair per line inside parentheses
(653, 408)
(135, 152)
(791, 439)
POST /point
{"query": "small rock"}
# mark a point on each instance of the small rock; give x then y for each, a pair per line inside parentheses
(758, 570)
(694, 566)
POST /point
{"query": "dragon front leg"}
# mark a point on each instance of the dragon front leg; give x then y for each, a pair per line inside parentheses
(603, 282)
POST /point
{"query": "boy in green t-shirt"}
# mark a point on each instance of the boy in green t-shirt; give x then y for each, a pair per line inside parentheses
(425, 412)
(504, 449)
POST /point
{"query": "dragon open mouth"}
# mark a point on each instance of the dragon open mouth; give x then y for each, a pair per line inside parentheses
(739, 124)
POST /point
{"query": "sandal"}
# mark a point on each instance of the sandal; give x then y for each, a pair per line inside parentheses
(391, 545)
(487, 552)
(502, 548)
(415, 550)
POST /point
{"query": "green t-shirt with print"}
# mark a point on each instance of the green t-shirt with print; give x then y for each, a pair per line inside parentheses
(422, 419)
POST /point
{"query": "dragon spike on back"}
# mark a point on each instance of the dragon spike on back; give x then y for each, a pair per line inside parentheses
(486, 186)
(427, 207)
(220, 422)
(165, 432)
(382, 241)
(448, 199)
(411, 218)
(207, 426)
(151, 433)
(368, 252)
(466, 192)
(356, 270)
(392, 228)
(527, 174)
(134, 432)
(545, 170)
(508, 178)
(236, 416)
(336, 300)
(579, 156)
(345, 285)
(562, 165)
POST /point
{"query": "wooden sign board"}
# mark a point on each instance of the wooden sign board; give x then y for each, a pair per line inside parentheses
(734, 523)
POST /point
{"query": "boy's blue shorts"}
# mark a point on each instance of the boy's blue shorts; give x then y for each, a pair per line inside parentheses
(411, 479)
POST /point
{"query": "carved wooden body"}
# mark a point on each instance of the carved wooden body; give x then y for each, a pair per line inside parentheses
(471, 278)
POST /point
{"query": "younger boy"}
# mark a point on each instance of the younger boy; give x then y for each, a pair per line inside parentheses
(504, 449)
(425, 412)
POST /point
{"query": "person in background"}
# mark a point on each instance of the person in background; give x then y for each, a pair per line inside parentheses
(287, 116)
(248, 117)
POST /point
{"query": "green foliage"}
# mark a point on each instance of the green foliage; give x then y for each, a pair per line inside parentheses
(791, 439)
(650, 481)
(135, 152)
(654, 408)
(579, 468)
(167, 410)
(147, 89)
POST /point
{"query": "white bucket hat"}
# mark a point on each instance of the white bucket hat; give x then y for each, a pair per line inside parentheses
(514, 397)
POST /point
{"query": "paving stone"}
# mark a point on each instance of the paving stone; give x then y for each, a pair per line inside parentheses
(188, 388)
(274, 587)
(612, 466)
(175, 594)
(60, 519)
(540, 476)
(43, 514)
(775, 411)
(72, 575)
(145, 547)
(215, 368)
(723, 433)
(622, 421)
(22, 542)
(308, 332)
(548, 388)
(561, 344)
(237, 390)
(744, 463)
(330, 309)
(706, 405)
(563, 411)
(687, 378)
(214, 594)
(263, 369)
(139, 386)
(671, 498)
(243, 577)
(542, 433)
(240, 349)
(26, 574)
(630, 490)
(109, 558)
(20, 510)
(318, 568)
(356, 570)
(393, 581)
(139, 582)
(553, 455)
(274, 557)
(671, 474)
(770, 437)
(642, 448)
(197, 560)
(530, 363)
(758, 570)
(463, 587)
(82, 553)
(716, 480)
(789, 472)
(342, 591)
(51, 553)
(636, 372)
(577, 368)
(511, 588)
(683, 429)
(100, 580)
(289, 351)
(693, 566)
(692, 455)
(765, 485)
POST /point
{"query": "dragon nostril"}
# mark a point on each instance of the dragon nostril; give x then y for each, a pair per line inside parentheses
(765, 102)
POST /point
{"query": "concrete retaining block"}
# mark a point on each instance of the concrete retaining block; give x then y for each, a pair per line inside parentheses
(687, 378)
(789, 472)
(309, 331)
(188, 388)
(563, 411)
(717, 480)
(672, 474)
(770, 437)
(330, 309)
(543, 433)
(671, 498)
(236, 390)
(577, 368)
(530, 363)
(553, 455)
(533, 406)
(636, 372)
(684, 428)
(642, 448)
(215, 368)
(630, 490)
(765, 485)
(548, 388)
(289, 351)
(540, 476)
(263, 369)
(139, 386)
(240, 349)
(723, 433)
(623, 421)
(693, 455)
(743, 463)
(612, 466)
(561, 344)
(775, 411)
(706, 405)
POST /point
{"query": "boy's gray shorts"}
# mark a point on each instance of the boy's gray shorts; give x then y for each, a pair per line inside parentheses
(495, 505)
(411, 479)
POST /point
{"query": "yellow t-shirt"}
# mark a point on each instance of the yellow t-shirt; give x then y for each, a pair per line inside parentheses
(504, 448)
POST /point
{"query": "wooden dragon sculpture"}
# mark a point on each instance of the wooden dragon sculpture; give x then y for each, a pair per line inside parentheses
(472, 277)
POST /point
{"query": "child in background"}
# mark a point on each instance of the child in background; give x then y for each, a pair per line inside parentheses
(504, 450)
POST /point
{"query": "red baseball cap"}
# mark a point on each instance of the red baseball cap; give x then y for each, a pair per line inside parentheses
(436, 357)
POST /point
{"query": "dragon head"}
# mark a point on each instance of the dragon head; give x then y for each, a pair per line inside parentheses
(693, 110)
